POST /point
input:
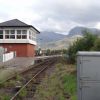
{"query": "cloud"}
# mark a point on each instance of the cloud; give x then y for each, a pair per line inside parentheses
(52, 15)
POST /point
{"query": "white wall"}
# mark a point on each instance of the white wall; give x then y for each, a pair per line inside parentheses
(8, 56)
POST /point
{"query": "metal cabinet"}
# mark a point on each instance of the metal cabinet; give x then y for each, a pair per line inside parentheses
(88, 75)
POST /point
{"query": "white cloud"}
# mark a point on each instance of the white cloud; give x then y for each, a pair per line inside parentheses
(52, 15)
(97, 25)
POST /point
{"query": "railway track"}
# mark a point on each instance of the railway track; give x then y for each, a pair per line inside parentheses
(27, 82)
(24, 71)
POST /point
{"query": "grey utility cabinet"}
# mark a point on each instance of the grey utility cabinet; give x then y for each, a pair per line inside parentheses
(88, 75)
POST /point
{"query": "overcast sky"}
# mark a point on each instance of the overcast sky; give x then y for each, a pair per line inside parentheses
(52, 15)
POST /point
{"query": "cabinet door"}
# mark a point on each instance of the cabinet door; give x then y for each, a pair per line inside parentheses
(90, 91)
(89, 78)
(90, 68)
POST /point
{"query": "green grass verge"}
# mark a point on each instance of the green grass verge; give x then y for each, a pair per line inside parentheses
(6, 73)
(4, 97)
(60, 85)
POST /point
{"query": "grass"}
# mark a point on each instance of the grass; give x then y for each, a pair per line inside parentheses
(69, 83)
(5, 97)
(74, 97)
(70, 86)
(23, 93)
(60, 85)
(6, 73)
(18, 77)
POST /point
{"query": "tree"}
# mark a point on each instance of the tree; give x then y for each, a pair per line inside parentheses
(82, 44)
(96, 46)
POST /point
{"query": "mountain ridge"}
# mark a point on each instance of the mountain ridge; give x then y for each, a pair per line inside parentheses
(52, 40)
(45, 37)
(80, 31)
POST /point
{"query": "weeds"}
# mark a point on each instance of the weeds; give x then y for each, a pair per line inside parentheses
(58, 86)
(18, 77)
(2, 67)
(1, 85)
(5, 97)
(23, 93)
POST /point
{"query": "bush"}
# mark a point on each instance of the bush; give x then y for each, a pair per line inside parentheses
(96, 46)
(83, 44)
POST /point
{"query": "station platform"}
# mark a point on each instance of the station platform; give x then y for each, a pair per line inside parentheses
(23, 62)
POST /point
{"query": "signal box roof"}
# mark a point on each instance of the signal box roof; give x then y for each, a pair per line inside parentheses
(16, 23)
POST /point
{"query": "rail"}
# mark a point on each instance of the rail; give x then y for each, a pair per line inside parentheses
(29, 68)
(34, 76)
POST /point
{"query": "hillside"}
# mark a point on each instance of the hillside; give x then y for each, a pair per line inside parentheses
(61, 44)
(80, 31)
(51, 40)
(46, 37)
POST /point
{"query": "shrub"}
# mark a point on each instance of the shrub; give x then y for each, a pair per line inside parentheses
(83, 44)
(96, 46)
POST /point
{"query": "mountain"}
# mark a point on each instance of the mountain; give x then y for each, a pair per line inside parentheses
(51, 40)
(80, 31)
(60, 44)
(46, 37)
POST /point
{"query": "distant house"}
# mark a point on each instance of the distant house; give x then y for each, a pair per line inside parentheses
(19, 37)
